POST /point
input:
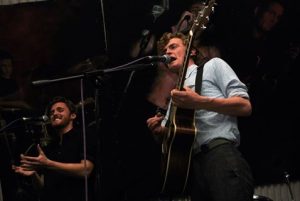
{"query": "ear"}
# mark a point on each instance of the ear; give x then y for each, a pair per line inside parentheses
(193, 52)
(73, 116)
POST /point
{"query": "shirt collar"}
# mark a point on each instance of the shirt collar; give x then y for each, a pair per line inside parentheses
(190, 70)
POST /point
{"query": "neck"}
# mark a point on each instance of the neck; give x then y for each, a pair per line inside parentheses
(191, 62)
(62, 131)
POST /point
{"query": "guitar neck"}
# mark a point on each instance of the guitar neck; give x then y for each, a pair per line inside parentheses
(182, 73)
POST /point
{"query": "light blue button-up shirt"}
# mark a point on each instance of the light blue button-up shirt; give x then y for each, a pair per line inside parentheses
(218, 81)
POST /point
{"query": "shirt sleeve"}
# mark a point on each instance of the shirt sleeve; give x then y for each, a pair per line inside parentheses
(229, 83)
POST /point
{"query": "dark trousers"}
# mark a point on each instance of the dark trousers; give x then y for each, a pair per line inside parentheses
(221, 174)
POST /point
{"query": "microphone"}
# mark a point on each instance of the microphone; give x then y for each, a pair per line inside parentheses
(164, 58)
(43, 118)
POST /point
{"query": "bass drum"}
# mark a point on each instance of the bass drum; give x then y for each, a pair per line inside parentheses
(261, 198)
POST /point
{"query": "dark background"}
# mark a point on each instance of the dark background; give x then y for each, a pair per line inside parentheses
(53, 39)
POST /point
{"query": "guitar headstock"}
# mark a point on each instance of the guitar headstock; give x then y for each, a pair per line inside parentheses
(202, 17)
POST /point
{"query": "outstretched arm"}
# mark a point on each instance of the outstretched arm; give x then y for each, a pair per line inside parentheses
(81, 169)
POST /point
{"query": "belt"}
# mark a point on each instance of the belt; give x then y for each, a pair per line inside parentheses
(214, 143)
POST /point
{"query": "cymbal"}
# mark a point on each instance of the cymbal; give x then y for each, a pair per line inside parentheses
(89, 101)
(89, 64)
(14, 105)
(10, 109)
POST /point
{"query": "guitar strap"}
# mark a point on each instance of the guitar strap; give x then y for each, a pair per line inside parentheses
(198, 82)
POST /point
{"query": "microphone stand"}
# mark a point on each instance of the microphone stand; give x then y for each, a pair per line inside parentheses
(131, 66)
(287, 181)
(9, 124)
(9, 149)
(91, 73)
(19, 192)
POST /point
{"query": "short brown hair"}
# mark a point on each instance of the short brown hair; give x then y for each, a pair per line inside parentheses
(166, 37)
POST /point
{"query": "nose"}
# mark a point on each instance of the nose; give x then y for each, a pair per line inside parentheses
(54, 112)
(168, 51)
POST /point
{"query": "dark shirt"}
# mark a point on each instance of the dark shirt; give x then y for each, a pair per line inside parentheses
(60, 187)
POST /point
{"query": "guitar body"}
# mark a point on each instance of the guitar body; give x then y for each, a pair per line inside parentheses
(177, 152)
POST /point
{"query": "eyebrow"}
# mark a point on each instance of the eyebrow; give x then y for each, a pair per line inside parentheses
(171, 46)
(57, 108)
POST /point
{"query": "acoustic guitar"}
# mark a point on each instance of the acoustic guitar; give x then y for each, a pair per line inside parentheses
(178, 142)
